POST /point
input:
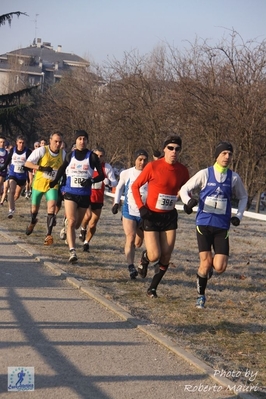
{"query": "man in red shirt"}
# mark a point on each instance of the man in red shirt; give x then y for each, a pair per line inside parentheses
(165, 177)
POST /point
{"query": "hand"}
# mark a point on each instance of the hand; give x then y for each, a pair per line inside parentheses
(47, 169)
(86, 182)
(52, 184)
(191, 203)
(145, 213)
(115, 209)
(1, 167)
(235, 221)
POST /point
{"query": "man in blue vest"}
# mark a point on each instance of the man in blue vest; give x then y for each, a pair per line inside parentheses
(217, 185)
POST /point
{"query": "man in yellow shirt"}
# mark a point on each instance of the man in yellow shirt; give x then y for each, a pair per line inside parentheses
(45, 161)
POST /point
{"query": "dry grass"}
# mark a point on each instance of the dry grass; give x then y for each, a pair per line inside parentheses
(228, 335)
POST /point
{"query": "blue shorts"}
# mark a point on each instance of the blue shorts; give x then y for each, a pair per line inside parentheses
(126, 215)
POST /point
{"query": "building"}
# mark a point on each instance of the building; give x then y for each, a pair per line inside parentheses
(38, 64)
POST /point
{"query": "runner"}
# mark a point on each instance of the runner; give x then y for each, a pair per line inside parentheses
(45, 161)
(165, 177)
(217, 184)
(3, 158)
(91, 217)
(79, 165)
(130, 214)
(17, 173)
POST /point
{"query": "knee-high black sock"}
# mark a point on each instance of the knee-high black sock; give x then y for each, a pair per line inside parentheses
(158, 276)
(50, 223)
(201, 284)
(34, 217)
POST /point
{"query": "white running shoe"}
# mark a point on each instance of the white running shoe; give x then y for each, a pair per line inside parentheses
(10, 213)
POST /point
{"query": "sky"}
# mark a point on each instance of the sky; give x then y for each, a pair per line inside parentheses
(99, 30)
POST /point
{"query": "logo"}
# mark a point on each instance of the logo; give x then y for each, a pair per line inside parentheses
(20, 379)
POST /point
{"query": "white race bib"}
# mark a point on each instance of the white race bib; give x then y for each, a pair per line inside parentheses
(215, 205)
(166, 202)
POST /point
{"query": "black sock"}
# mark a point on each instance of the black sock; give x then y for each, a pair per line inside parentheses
(158, 276)
(201, 284)
(50, 223)
(33, 217)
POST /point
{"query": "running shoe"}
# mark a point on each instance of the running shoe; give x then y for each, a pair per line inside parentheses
(10, 214)
(73, 256)
(132, 272)
(62, 234)
(143, 266)
(151, 293)
(200, 303)
(48, 240)
(82, 234)
(30, 228)
(86, 247)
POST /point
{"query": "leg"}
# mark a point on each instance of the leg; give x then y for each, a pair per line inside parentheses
(11, 200)
(95, 216)
(83, 230)
(167, 243)
(5, 190)
(130, 228)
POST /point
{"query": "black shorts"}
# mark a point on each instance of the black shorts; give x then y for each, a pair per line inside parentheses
(161, 221)
(96, 205)
(19, 182)
(83, 201)
(209, 237)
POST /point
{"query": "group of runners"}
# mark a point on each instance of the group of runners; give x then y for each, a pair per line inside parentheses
(150, 189)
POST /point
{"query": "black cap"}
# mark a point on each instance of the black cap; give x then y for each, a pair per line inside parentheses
(81, 133)
(223, 146)
(141, 152)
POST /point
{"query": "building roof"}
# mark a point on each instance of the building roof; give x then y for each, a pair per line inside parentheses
(38, 57)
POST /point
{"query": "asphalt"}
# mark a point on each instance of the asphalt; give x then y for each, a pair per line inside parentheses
(82, 345)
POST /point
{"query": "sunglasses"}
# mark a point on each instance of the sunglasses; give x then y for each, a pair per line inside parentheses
(171, 148)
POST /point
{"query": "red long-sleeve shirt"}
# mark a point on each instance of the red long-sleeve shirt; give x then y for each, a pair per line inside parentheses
(164, 182)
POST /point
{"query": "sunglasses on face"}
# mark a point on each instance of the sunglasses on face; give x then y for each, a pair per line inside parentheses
(171, 148)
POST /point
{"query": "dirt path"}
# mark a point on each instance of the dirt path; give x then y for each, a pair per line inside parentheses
(229, 334)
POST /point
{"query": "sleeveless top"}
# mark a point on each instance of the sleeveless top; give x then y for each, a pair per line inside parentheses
(214, 207)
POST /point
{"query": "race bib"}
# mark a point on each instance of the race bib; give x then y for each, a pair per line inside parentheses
(50, 176)
(18, 168)
(76, 181)
(166, 202)
(215, 205)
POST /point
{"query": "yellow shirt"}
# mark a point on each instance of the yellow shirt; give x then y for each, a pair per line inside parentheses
(42, 179)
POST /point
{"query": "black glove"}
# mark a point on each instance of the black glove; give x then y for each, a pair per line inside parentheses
(191, 203)
(52, 184)
(235, 221)
(2, 167)
(47, 169)
(145, 213)
(115, 209)
(86, 182)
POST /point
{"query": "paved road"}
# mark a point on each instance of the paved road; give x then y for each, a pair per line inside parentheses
(80, 347)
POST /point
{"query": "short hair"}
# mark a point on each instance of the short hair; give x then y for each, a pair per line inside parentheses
(52, 134)
(99, 149)
(20, 137)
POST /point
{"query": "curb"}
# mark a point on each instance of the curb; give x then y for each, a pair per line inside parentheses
(143, 326)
